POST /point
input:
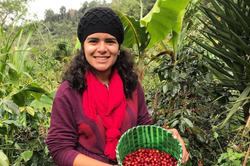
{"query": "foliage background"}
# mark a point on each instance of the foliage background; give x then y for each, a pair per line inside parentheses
(197, 84)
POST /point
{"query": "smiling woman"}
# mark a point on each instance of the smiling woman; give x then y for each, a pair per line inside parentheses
(100, 97)
(101, 51)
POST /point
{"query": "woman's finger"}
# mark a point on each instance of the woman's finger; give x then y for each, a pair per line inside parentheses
(185, 154)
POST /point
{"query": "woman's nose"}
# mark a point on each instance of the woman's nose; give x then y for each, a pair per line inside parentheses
(102, 47)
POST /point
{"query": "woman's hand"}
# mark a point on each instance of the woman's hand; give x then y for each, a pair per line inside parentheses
(185, 154)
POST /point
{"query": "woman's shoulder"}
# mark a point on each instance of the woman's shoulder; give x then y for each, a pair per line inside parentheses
(139, 87)
(64, 89)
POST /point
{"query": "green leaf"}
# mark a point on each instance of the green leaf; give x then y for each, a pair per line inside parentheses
(216, 135)
(4, 161)
(182, 126)
(243, 19)
(13, 75)
(19, 97)
(235, 107)
(44, 101)
(195, 153)
(36, 90)
(241, 43)
(222, 157)
(239, 155)
(225, 38)
(78, 45)
(165, 88)
(229, 151)
(228, 81)
(23, 120)
(180, 36)
(200, 137)
(164, 18)
(12, 122)
(30, 111)
(11, 105)
(176, 113)
(174, 41)
(27, 74)
(236, 162)
(174, 123)
(27, 155)
(175, 90)
(217, 6)
(20, 55)
(175, 74)
(188, 122)
(134, 32)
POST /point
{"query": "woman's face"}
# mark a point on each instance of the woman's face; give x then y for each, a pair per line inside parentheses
(101, 51)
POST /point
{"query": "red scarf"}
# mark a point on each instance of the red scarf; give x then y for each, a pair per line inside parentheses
(110, 104)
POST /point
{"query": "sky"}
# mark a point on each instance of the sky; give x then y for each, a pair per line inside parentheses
(39, 6)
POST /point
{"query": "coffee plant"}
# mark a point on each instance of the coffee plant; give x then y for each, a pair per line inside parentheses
(187, 100)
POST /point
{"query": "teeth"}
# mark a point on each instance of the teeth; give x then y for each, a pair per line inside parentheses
(101, 57)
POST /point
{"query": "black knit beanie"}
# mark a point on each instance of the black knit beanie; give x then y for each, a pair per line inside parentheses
(100, 19)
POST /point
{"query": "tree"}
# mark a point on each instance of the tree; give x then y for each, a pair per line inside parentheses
(48, 15)
(63, 11)
(93, 4)
(133, 8)
(147, 6)
(72, 13)
(83, 8)
(11, 9)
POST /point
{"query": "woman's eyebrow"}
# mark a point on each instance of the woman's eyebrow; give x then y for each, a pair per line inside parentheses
(91, 38)
(111, 38)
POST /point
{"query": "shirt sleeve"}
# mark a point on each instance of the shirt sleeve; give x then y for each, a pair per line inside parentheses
(143, 115)
(62, 137)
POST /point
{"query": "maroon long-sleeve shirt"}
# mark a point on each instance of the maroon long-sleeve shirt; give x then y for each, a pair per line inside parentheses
(71, 132)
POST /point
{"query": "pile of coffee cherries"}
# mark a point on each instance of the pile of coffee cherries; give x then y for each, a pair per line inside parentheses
(149, 157)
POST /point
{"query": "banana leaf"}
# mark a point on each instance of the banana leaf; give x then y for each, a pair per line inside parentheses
(164, 17)
(134, 32)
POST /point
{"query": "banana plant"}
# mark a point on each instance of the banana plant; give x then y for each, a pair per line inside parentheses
(228, 29)
(165, 18)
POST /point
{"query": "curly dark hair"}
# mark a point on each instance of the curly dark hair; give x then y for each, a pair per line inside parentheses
(125, 65)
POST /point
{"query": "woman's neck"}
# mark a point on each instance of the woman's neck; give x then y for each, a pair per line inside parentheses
(103, 77)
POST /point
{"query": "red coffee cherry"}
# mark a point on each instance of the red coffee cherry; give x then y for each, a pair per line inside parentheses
(146, 157)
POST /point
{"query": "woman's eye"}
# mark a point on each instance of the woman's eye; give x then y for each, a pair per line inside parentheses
(93, 41)
(110, 41)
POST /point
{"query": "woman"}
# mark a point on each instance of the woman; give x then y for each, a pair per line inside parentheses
(100, 97)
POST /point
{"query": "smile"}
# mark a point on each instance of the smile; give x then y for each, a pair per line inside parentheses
(101, 57)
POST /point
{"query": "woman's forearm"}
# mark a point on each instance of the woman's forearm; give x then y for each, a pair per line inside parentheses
(83, 160)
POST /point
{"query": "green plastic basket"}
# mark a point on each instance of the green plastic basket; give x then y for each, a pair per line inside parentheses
(148, 136)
